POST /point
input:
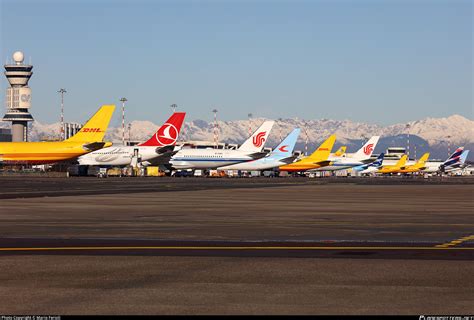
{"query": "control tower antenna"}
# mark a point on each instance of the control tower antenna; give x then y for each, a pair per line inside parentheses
(174, 106)
(250, 123)
(18, 97)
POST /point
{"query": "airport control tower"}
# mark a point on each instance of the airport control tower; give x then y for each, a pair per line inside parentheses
(18, 97)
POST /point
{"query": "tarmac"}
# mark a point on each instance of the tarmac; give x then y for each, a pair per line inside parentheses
(236, 246)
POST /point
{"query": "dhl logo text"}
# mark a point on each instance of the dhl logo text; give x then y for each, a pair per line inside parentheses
(91, 130)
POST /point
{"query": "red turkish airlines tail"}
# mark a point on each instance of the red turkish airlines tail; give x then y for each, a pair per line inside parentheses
(167, 134)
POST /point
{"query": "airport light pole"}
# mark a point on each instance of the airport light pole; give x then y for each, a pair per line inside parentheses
(250, 124)
(306, 138)
(279, 127)
(129, 133)
(364, 138)
(62, 91)
(123, 119)
(174, 106)
(408, 140)
(216, 134)
(449, 145)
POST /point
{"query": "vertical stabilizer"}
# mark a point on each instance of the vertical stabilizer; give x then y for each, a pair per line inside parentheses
(257, 140)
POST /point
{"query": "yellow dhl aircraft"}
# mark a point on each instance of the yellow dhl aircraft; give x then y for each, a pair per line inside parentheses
(318, 159)
(340, 151)
(88, 139)
(395, 167)
(418, 166)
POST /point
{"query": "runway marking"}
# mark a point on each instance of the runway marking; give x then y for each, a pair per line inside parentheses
(229, 248)
(455, 242)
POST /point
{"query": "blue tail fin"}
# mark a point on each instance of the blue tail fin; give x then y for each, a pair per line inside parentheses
(285, 148)
(463, 156)
(378, 161)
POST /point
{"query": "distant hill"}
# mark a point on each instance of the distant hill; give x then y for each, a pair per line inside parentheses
(430, 134)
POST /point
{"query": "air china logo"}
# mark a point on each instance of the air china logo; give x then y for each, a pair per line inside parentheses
(259, 139)
(368, 149)
(283, 149)
(167, 135)
(91, 130)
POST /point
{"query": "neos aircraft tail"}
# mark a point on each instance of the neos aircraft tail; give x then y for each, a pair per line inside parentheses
(257, 140)
(95, 127)
(366, 151)
(168, 133)
(285, 148)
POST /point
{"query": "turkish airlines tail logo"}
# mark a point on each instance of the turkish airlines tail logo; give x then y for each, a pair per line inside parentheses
(168, 133)
(259, 139)
(368, 149)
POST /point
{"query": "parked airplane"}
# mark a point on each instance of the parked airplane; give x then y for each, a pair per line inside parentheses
(420, 165)
(359, 158)
(455, 162)
(282, 154)
(395, 167)
(251, 149)
(88, 139)
(317, 159)
(370, 167)
(153, 151)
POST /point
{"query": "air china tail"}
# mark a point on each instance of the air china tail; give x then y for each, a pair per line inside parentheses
(257, 140)
(366, 151)
(167, 134)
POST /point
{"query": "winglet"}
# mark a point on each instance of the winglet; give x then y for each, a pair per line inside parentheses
(95, 127)
(168, 133)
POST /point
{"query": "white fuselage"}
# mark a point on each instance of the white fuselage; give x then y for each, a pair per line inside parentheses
(207, 158)
(266, 163)
(118, 156)
(341, 163)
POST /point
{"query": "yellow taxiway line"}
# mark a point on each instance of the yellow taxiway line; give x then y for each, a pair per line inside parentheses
(229, 248)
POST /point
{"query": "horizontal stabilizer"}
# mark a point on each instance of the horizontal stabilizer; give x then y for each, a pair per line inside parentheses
(288, 160)
(96, 146)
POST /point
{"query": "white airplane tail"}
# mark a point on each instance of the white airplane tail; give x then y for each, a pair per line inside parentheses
(366, 151)
(257, 140)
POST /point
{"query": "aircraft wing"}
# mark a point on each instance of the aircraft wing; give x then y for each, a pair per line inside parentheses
(166, 150)
(163, 155)
(257, 155)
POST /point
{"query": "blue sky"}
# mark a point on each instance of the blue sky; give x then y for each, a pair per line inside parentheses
(371, 61)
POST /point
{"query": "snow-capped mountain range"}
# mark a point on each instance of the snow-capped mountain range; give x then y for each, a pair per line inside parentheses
(429, 133)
